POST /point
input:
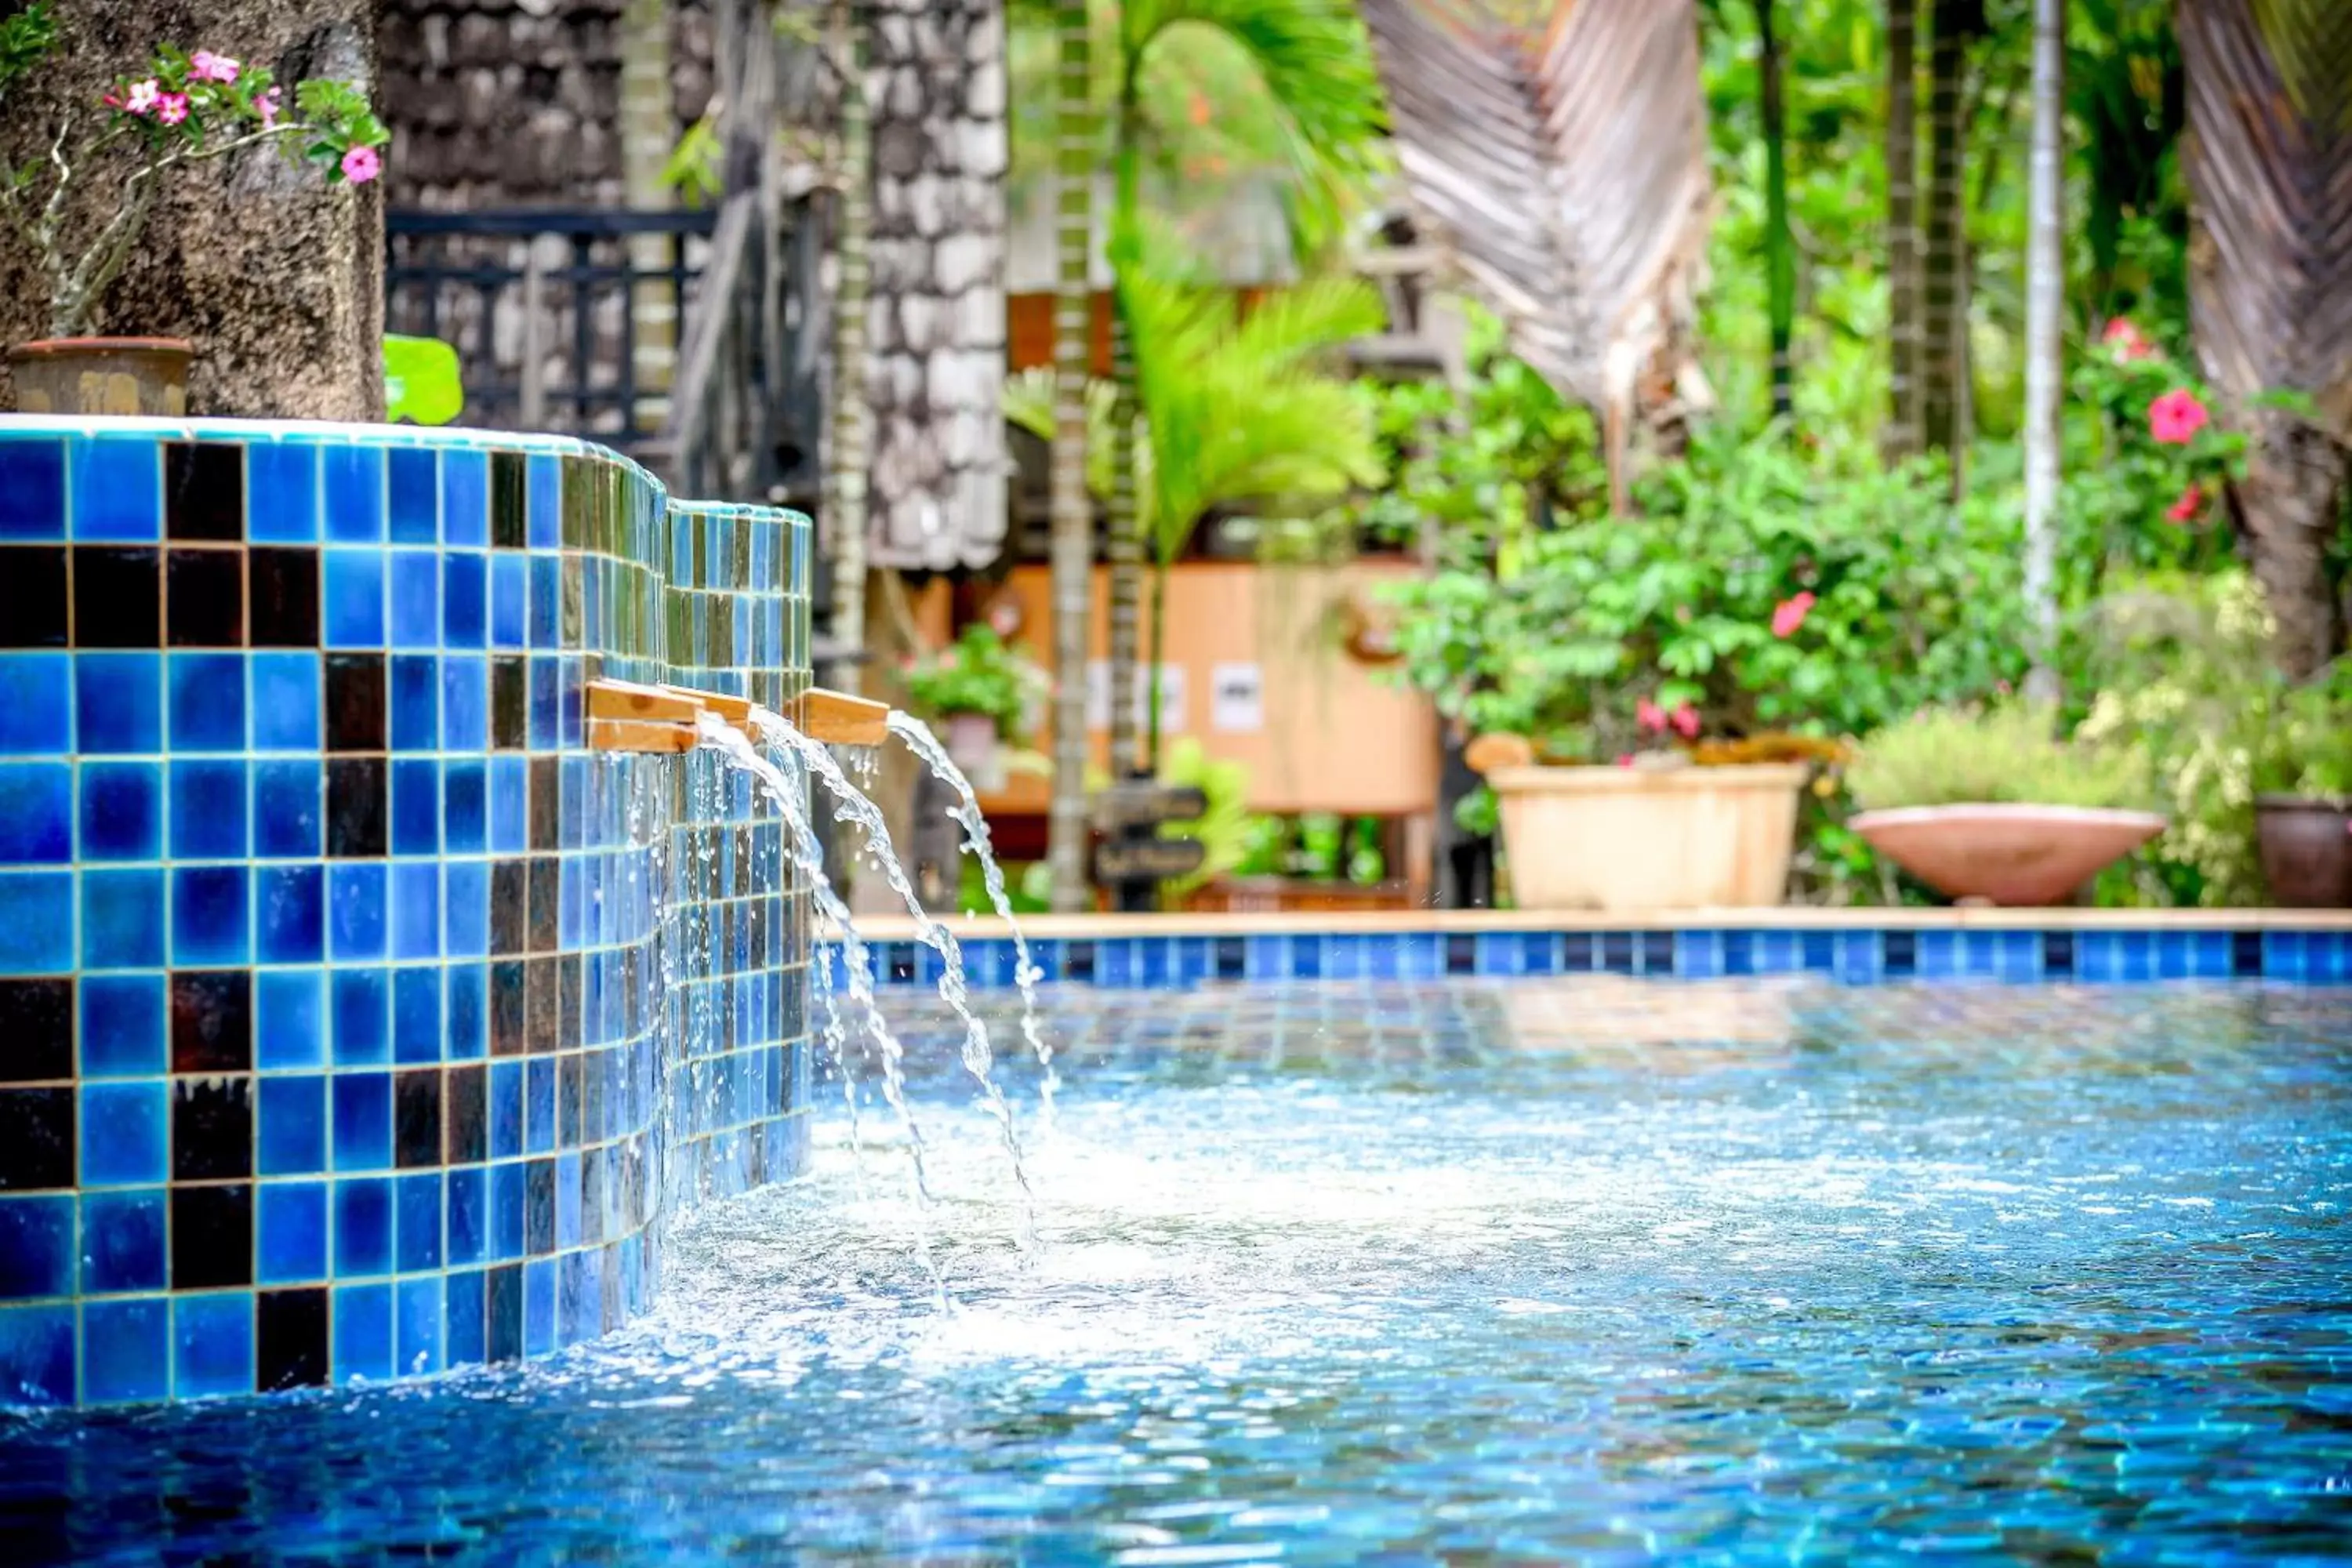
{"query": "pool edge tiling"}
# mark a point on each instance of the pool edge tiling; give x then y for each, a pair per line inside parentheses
(356, 1020)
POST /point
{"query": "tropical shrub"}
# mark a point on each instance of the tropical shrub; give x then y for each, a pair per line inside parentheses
(2009, 753)
(978, 674)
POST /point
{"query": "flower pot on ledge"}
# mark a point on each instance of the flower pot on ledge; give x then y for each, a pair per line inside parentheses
(124, 376)
(2017, 856)
(974, 744)
(2306, 850)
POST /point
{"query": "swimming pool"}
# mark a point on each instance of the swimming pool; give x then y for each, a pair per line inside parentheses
(1577, 1268)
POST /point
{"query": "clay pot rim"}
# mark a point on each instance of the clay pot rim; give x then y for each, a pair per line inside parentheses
(2303, 803)
(2008, 811)
(1590, 778)
(46, 348)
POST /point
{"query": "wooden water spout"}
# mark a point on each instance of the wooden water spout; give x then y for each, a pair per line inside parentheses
(624, 716)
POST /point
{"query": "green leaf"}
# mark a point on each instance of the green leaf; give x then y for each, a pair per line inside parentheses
(421, 381)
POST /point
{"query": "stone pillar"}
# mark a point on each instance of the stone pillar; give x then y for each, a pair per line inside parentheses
(276, 277)
(936, 81)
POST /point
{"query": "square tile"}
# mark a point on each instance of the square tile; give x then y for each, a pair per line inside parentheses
(126, 1132)
(361, 1000)
(118, 703)
(36, 1138)
(36, 814)
(363, 1333)
(207, 701)
(283, 594)
(212, 1129)
(294, 1231)
(363, 1121)
(212, 915)
(291, 1329)
(212, 1344)
(116, 484)
(122, 811)
(286, 709)
(362, 1226)
(352, 493)
(203, 598)
(357, 809)
(288, 816)
(36, 1245)
(293, 1125)
(36, 703)
(122, 1025)
(37, 910)
(33, 602)
(117, 597)
(211, 1236)
(122, 1240)
(203, 490)
(352, 599)
(36, 1353)
(282, 500)
(212, 1021)
(356, 925)
(412, 483)
(208, 803)
(289, 1020)
(32, 487)
(291, 914)
(126, 1351)
(37, 1030)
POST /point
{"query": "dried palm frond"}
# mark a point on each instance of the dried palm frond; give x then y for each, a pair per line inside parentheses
(1564, 166)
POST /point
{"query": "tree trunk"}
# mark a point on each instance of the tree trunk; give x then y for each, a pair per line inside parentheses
(1903, 281)
(853, 442)
(1072, 509)
(1121, 523)
(1942, 358)
(1779, 246)
(2046, 302)
(276, 277)
(2292, 502)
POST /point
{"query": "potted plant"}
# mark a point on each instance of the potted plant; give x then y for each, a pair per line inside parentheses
(184, 107)
(2303, 804)
(979, 691)
(1991, 804)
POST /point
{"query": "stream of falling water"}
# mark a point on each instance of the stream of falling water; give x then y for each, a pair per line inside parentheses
(967, 815)
(853, 804)
(808, 853)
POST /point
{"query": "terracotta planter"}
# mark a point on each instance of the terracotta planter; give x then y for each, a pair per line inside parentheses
(1639, 838)
(2306, 848)
(2021, 856)
(102, 376)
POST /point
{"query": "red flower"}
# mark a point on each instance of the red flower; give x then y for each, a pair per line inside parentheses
(1650, 716)
(1789, 614)
(1686, 721)
(1626, 761)
(2126, 340)
(2185, 510)
(2176, 417)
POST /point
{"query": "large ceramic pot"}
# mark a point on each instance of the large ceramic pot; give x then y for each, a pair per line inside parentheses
(2306, 848)
(2017, 855)
(102, 376)
(1643, 838)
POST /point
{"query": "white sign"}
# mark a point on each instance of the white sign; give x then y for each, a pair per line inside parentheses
(1237, 699)
(1172, 699)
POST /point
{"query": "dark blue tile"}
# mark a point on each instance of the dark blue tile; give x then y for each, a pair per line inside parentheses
(465, 497)
(286, 685)
(121, 919)
(417, 810)
(1580, 952)
(464, 704)
(539, 1112)
(510, 799)
(469, 901)
(418, 1227)
(293, 1125)
(416, 911)
(289, 1020)
(362, 1226)
(207, 701)
(37, 1354)
(412, 480)
(1617, 952)
(546, 503)
(1656, 949)
(36, 814)
(117, 702)
(462, 1319)
(123, 1241)
(1818, 950)
(506, 1211)
(418, 1306)
(1930, 955)
(118, 488)
(363, 1332)
(467, 1235)
(351, 596)
(290, 907)
(362, 1002)
(126, 1132)
(539, 1308)
(463, 808)
(293, 1233)
(509, 592)
(287, 815)
(281, 493)
(126, 1351)
(352, 480)
(36, 703)
(122, 1030)
(505, 1111)
(1739, 952)
(467, 1011)
(31, 487)
(465, 613)
(415, 599)
(415, 703)
(546, 601)
(355, 912)
(212, 922)
(36, 1245)
(211, 1337)
(208, 801)
(416, 1015)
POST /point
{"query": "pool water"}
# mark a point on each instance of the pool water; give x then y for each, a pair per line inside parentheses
(1475, 1272)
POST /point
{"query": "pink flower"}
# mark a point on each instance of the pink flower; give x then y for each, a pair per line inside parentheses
(1686, 721)
(2126, 340)
(2185, 510)
(1789, 614)
(2176, 417)
(205, 65)
(1625, 760)
(143, 95)
(1650, 716)
(267, 105)
(360, 164)
(171, 108)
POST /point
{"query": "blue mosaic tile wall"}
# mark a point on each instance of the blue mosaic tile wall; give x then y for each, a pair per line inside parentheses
(355, 1020)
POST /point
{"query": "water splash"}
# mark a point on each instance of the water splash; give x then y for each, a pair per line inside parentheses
(967, 815)
(808, 853)
(853, 804)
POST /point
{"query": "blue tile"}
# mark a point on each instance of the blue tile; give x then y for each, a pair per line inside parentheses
(286, 688)
(509, 801)
(415, 599)
(414, 703)
(289, 1020)
(37, 912)
(506, 1111)
(291, 914)
(468, 1234)
(363, 1332)
(36, 1245)
(362, 1226)
(468, 907)
(416, 909)
(117, 488)
(36, 814)
(363, 1114)
(539, 1308)
(361, 1001)
(465, 594)
(2284, 955)
(287, 820)
(281, 493)
(462, 1319)
(207, 701)
(292, 1226)
(121, 1025)
(567, 1200)
(212, 922)
(208, 810)
(37, 1354)
(413, 481)
(122, 1236)
(416, 1015)
(32, 487)
(465, 497)
(212, 1343)
(351, 479)
(416, 810)
(539, 1114)
(508, 593)
(545, 527)
(126, 1351)
(118, 702)
(463, 808)
(506, 1211)
(36, 703)
(418, 1224)
(351, 596)
(546, 601)
(126, 1132)
(419, 1308)
(293, 1125)
(464, 704)
(355, 910)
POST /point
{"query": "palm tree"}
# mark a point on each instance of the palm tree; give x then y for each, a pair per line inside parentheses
(2046, 303)
(1780, 246)
(1903, 280)
(853, 420)
(1943, 357)
(1072, 512)
(2269, 161)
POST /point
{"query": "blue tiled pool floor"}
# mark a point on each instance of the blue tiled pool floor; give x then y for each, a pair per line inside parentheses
(1554, 1270)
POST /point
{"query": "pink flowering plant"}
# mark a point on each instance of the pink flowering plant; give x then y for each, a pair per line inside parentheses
(182, 108)
(2147, 461)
